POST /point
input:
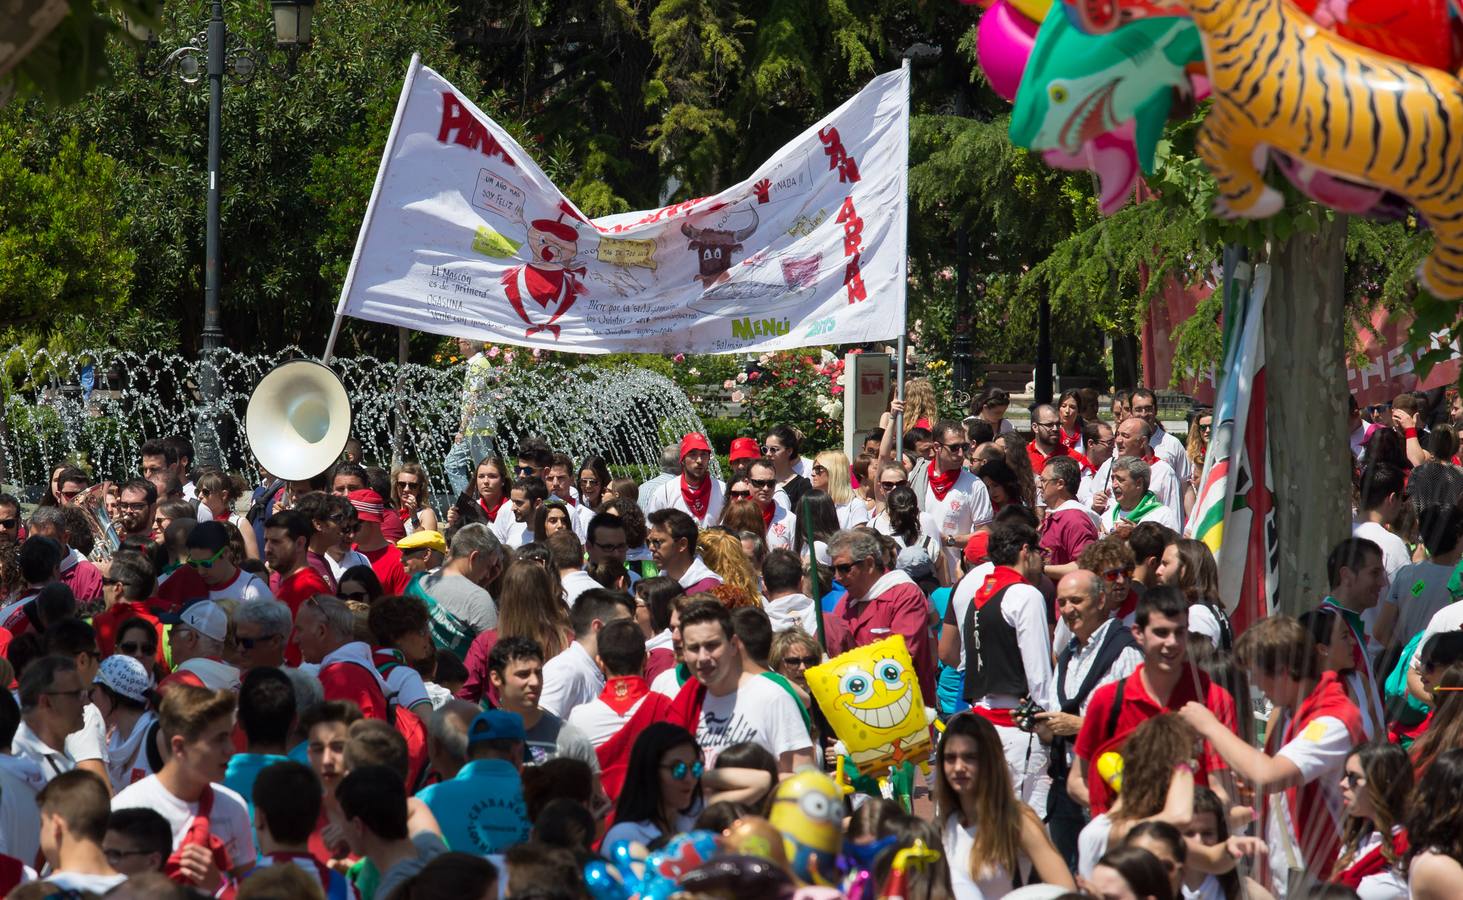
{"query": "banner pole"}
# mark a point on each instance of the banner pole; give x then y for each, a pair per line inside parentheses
(903, 281)
(345, 289)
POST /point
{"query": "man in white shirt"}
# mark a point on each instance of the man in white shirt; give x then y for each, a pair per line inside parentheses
(737, 705)
(196, 642)
(196, 724)
(208, 545)
(1131, 439)
(74, 808)
(1009, 652)
(786, 605)
(620, 653)
(527, 495)
(955, 501)
(1133, 501)
(670, 469)
(1383, 497)
(77, 641)
(566, 555)
(1165, 446)
(695, 492)
(574, 677)
(52, 697)
(559, 479)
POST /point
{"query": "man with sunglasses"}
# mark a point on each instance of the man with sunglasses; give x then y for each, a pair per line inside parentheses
(955, 501)
(286, 540)
(196, 642)
(208, 557)
(262, 634)
(559, 479)
(12, 530)
(878, 603)
(127, 587)
(779, 525)
(696, 492)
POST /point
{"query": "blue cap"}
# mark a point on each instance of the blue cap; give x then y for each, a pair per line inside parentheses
(495, 725)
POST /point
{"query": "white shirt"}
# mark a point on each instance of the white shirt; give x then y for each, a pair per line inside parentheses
(781, 529)
(20, 821)
(1319, 752)
(407, 684)
(852, 513)
(1162, 481)
(961, 598)
(50, 761)
(1171, 450)
(599, 721)
(667, 683)
(349, 560)
(966, 506)
(576, 583)
(90, 742)
(1358, 439)
(127, 755)
(571, 678)
(215, 674)
(1092, 843)
(1204, 623)
(1449, 618)
(76, 881)
(1024, 609)
(246, 586)
(228, 820)
(758, 711)
(1385, 885)
(959, 842)
(1083, 659)
(1395, 555)
(789, 611)
(668, 496)
(1160, 514)
(697, 571)
(503, 522)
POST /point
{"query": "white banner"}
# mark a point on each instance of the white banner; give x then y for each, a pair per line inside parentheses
(466, 236)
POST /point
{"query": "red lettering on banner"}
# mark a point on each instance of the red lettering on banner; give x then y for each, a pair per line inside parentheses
(838, 157)
(469, 132)
(853, 245)
(665, 212)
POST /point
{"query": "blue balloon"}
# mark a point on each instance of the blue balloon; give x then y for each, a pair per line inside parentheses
(604, 881)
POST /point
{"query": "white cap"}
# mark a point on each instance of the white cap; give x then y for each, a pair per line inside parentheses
(207, 618)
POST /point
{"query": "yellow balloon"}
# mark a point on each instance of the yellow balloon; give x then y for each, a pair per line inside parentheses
(1035, 10)
(871, 697)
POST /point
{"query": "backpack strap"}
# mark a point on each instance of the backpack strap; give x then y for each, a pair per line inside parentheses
(1117, 708)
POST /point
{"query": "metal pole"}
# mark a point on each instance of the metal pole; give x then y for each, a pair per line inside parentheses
(899, 363)
(899, 389)
(212, 338)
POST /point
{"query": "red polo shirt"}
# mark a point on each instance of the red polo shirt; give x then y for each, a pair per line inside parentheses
(389, 568)
(1138, 707)
(1038, 459)
(298, 586)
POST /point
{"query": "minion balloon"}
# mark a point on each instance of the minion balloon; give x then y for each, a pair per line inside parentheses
(871, 697)
(808, 810)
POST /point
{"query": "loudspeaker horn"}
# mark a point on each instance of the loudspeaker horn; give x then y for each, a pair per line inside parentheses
(298, 420)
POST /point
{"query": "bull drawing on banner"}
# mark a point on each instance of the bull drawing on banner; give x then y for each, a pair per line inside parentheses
(715, 243)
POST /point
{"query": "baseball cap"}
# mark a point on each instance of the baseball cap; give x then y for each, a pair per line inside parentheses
(210, 536)
(203, 616)
(495, 725)
(745, 448)
(694, 440)
(126, 676)
(423, 540)
(369, 505)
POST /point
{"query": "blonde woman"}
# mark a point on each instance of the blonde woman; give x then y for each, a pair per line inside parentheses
(830, 475)
(920, 409)
(411, 497)
(723, 554)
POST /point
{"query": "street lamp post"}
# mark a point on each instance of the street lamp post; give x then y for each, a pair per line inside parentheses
(221, 56)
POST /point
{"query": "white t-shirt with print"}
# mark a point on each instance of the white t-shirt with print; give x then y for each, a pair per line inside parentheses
(758, 711)
(781, 529)
(228, 820)
(966, 506)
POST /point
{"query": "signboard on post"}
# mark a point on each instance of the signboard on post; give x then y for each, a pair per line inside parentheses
(866, 396)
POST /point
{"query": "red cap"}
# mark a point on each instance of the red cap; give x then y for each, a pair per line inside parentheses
(369, 505)
(694, 441)
(743, 448)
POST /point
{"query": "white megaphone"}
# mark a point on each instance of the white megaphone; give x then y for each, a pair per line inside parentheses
(298, 420)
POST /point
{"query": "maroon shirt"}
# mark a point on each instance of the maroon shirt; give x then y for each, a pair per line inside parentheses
(1064, 534)
(899, 609)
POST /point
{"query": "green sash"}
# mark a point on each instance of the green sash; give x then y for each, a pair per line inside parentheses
(448, 632)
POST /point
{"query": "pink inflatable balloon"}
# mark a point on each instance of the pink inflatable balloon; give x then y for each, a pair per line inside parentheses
(1002, 46)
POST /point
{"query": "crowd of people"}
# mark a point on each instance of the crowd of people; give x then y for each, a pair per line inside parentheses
(352, 687)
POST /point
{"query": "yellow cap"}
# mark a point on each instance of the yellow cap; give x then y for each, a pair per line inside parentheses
(423, 540)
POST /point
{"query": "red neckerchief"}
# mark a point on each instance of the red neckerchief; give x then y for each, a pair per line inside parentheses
(999, 579)
(942, 482)
(200, 833)
(492, 513)
(569, 500)
(1069, 439)
(1372, 862)
(767, 513)
(1151, 458)
(623, 692)
(614, 754)
(1130, 603)
(698, 499)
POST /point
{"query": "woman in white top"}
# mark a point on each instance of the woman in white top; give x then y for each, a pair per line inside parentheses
(992, 840)
(830, 474)
(1435, 852)
(217, 492)
(890, 476)
(1375, 786)
(411, 497)
(662, 790)
(1210, 828)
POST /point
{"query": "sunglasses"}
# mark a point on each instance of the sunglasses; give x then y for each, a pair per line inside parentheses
(132, 648)
(9, 524)
(841, 569)
(207, 563)
(740, 495)
(819, 470)
(1353, 780)
(957, 449)
(890, 485)
(358, 596)
(762, 483)
(1114, 574)
(799, 662)
(679, 770)
(611, 548)
(407, 485)
(523, 470)
(771, 451)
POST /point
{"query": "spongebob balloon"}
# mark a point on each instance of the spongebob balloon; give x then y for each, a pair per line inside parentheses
(808, 811)
(871, 697)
